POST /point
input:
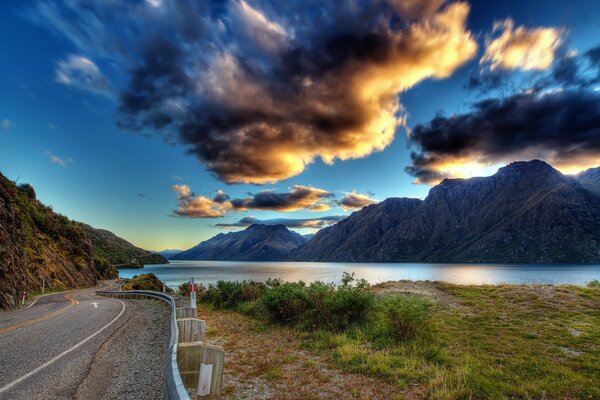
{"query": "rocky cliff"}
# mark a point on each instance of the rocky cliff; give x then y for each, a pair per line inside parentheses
(527, 212)
(37, 244)
(255, 243)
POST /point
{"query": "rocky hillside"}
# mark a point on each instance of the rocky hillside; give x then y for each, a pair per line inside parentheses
(36, 243)
(526, 212)
(119, 252)
(255, 243)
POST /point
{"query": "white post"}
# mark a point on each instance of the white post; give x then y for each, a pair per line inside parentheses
(43, 284)
(164, 290)
(192, 293)
(23, 301)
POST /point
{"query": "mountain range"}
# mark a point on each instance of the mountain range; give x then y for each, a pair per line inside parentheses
(255, 243)
(528, 212)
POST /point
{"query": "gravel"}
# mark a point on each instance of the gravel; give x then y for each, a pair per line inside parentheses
(130, 364)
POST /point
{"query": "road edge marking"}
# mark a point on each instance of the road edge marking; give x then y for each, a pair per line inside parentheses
(64, 353)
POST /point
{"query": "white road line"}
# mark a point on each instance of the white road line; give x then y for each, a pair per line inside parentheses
(64, 353)
(95, 304)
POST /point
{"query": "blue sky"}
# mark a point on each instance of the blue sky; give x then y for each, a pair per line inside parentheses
(64, 139)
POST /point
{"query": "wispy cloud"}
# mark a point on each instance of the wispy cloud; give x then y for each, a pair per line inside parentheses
(58, 160)
(84, 74)
(7, 124)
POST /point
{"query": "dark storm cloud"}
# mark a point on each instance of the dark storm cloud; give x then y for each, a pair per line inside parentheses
(191, 205)
(298, 198)
(313, 223)
(257, 89)
(561, 127)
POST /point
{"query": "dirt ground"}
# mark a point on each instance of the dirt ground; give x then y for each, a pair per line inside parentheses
(269, 363)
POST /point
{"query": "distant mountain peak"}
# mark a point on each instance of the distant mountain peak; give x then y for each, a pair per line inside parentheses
(258, 242)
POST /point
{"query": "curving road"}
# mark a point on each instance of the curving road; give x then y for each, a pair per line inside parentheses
(48, 349)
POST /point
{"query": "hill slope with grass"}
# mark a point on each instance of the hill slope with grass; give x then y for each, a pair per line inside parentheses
(527, 212)
(119, 252)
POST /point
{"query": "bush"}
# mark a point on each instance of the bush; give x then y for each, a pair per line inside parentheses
(103, 269)
(143, 282)
(27, 190)
(286, 303)
(229, 295)
(184, 289)
(594, 284)
(403, 317)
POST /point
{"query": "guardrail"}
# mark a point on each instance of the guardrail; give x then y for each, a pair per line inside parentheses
(174, 388)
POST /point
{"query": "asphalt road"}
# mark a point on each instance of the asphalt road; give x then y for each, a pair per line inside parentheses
(47, 350)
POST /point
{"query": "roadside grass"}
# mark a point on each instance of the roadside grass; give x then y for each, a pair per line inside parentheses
(490, 342)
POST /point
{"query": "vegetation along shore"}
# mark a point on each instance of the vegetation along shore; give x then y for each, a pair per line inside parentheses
(406, 340)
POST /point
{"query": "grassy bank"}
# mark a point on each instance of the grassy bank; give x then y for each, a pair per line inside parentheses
(435, 340)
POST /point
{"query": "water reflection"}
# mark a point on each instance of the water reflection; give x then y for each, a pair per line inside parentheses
(210, 271)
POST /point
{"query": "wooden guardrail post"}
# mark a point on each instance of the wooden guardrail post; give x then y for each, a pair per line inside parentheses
(191, 330)
(186, 312)
(201, 368)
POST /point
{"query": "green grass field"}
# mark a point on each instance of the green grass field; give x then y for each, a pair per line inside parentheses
(447, 341)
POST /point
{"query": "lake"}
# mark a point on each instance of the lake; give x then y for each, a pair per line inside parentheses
(211, 271)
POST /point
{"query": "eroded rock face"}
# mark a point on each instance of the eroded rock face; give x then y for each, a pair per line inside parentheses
(12, 260)
(526, 213)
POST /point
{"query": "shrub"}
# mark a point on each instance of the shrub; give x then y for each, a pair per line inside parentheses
(229, 295)
(287, 303)
(337, 308)
(594, 284)
(27, 190)
(404, 317)
(103, 269)
(184, 289)
(143, 282)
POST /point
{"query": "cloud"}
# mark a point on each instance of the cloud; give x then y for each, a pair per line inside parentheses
(7, 124)
(298, 198)
(57, 160)
(258, 91)
(82, 73)
(355, 201)
(521, 48)
(560, 126)
(309, 223)
(191, 206)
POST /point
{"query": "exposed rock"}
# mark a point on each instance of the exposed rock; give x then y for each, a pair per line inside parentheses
(37, 244)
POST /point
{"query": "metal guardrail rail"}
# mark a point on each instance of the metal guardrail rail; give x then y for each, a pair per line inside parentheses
(174, 388)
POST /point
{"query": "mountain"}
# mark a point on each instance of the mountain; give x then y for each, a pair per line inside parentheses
(119, 252)
(527, 212)
(255, 243)
(37, 244)
(168, 253)
(590, 179)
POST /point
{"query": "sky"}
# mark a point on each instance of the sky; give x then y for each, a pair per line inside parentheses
(170, 121)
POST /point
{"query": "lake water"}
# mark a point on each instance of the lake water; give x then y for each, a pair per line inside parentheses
(206, 272)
